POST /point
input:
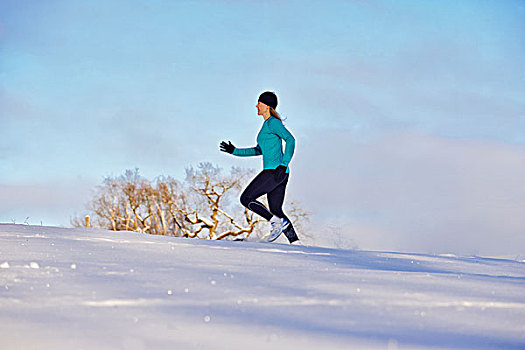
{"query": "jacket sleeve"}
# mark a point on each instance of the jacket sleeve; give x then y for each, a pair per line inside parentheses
(247, 152)
(280, 130)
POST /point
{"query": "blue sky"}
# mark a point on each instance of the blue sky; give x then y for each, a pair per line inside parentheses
(409, 115)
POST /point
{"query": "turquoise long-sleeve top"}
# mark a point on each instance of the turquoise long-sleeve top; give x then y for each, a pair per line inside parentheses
(269, 145)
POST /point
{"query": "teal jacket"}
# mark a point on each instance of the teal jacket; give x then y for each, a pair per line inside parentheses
(269, 145)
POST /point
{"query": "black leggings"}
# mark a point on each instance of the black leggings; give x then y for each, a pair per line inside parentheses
(272, 184)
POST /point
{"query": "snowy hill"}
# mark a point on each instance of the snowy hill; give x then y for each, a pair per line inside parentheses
(94, 289)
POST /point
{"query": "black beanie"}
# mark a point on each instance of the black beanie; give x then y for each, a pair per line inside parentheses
(269, 99)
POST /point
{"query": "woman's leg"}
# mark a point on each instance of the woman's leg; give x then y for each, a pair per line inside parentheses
(268, 183)
(276, 199)
(263, 183)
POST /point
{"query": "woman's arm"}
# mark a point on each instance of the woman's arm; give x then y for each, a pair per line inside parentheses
(247, 152)
(280, 130)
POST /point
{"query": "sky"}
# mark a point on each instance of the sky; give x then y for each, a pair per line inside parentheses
(409, 116)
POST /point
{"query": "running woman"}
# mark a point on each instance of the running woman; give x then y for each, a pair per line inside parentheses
(272, 180)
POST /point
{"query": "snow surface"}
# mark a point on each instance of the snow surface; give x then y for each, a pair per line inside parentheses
(94, 289)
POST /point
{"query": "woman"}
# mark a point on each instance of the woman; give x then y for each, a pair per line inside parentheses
(274, 177)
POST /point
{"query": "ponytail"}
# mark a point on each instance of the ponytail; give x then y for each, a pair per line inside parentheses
(274, 113)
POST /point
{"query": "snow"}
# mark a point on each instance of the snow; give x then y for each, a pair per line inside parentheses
(93, 289)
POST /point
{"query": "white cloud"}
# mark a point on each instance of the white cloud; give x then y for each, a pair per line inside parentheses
(416, 192)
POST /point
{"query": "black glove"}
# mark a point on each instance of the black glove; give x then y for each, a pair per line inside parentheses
(280, 171)
(227, 147)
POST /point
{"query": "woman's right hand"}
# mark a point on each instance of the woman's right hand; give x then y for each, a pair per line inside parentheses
(227, 147)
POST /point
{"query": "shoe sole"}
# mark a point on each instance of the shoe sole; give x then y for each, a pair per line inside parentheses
(271, 239)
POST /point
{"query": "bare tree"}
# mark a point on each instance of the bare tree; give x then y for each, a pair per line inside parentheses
(205, 205)
(214, 212)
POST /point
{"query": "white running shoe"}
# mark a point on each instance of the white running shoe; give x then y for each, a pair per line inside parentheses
(278, 226)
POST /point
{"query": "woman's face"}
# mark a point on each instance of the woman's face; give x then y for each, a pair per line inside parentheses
(262, 108)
